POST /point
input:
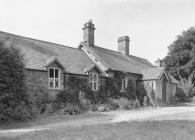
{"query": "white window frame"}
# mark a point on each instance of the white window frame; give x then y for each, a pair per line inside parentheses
(54, 79)
(94, 83)
(124, 84)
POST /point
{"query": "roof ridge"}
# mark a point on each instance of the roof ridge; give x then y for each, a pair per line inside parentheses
(138, 57)
(34, 39)
(120, 52)
(108, 49)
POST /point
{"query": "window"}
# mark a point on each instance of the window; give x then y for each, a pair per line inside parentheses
(94, 81)
(54, 78)
(124, 84)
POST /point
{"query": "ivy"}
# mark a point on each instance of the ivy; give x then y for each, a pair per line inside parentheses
(111, 89)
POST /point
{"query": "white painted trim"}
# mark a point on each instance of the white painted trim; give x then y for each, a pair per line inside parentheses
(59, 71)
(122, 84)
(97, 81)
(165, 75)
(95, 60)
(53, 61)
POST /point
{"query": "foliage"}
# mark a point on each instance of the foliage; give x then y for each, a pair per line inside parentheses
(187, 86)
(111, 89)
(140, 92)
(122, 103)
(131, 90)
(42, 101)
(67, 96)
(180, 95)
(72, 109)
(180, 61)
(14, 102)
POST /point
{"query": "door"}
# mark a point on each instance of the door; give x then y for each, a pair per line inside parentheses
(164, 81)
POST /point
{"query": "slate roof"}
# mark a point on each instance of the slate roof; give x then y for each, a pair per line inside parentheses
(156, 73)
(114, 60)
(94, 66)
(152, 73)
(37, 53)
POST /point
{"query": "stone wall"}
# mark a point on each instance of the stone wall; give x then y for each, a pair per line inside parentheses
(86, 77)
(36, 80)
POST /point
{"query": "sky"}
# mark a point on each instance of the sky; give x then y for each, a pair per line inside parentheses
(152, 25)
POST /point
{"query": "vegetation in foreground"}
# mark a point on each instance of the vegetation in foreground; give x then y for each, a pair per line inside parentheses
(149, 130)
(14, 101)
(48, 119)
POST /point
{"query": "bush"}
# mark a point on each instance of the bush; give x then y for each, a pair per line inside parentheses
(122, 103)
(140, 92)
(14, 102)
(69, 102)
(72, 109)
(180, 95)
(42, 101)
(67, 96)
(131, 90)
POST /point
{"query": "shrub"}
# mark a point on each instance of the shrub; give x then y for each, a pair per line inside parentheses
(72, 109)
(131, 90)
(41, 101)
(67, 96)
(14, 102)
(122, 103)
(180, 95)
(140, 92)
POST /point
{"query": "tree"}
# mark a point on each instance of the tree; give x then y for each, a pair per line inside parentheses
(180, 61)
(14, 102)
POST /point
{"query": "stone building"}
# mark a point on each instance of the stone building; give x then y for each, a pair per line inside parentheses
(48, 65)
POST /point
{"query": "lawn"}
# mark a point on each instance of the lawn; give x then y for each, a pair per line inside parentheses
(146, 130)
(48, 119)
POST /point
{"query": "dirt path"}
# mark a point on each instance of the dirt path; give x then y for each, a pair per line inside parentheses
(165, 113)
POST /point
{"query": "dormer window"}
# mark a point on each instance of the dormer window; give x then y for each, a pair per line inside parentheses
(94, 81)
(54, 78)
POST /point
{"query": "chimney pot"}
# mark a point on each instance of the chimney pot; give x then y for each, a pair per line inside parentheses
(88, 33)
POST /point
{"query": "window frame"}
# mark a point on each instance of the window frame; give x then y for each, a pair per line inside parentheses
(124, 84)
(54, 78)
(94, 82)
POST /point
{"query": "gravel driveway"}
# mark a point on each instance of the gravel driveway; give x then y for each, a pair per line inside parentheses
(163, 113)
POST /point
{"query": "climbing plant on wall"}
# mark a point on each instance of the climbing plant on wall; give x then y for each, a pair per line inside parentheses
(110, 89)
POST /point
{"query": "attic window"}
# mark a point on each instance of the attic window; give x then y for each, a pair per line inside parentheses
(54, 78)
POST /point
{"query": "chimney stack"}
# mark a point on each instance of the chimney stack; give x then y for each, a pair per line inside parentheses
(123, 45)
(88, 33)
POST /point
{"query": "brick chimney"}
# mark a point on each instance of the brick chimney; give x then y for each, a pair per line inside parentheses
(88, 33)
(123, 45)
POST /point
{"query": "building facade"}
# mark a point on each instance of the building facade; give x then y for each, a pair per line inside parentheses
(48, 65)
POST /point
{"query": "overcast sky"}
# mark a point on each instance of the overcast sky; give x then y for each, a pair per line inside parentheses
(151, 24)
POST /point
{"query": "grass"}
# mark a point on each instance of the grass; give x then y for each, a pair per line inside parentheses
(47, 119)
(148, 130)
